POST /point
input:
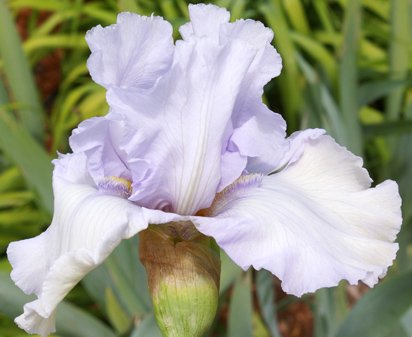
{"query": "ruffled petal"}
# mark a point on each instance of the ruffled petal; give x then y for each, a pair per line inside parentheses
(268, 131)
(87, 225)
(266, 65)
(100, 139)
(205, 21)
(189, 112)
(294, 147)
(133, 53)
(251, 118)
(316, 222)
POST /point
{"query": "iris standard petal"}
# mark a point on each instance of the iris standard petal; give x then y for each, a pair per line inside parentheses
(189, 111)
(266, 65)
(251, 118)
(87, 225)
(205, 21)
(133, 53)
(100, 139)
(268, 131)
(316, 222)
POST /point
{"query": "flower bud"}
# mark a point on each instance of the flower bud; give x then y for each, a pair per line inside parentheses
(183, 276)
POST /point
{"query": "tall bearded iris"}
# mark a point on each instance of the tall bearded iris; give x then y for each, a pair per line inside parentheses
(189, 148)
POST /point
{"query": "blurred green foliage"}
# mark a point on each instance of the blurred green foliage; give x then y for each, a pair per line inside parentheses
(347, 68)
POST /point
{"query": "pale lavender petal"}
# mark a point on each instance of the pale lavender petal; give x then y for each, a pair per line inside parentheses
(266, 65)
(87, 225)
(205, 21)
(231, 167)
(133, 53)
(100, 139)
(189, 110)
(268, 131)
(251, 119)
(316, 222)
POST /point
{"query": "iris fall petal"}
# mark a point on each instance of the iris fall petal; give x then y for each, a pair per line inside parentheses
(314, 223)
(87, 225)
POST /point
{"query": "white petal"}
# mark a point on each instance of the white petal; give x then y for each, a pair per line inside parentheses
(205, 21)
(134, 52)
(294, 146)
(87, 225)
(312, 224)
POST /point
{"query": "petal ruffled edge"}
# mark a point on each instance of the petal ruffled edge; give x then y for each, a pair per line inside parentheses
(87, 225)
(133, 53)
(312, 224)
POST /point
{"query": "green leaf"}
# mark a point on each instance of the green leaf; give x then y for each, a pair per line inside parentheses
(25, 152)
(45, 5)
(129, 277)
(326, 108)
(4, 96)
(10, 179)
(129, 6)
(297, 15)
(266, 297)
(117, 315)
(237, 9)
(72, 321)
(318, 52)
(388, 128)
(97, 12)
(147, 328)
(399, 52)
(55, 41)
(349, 75)
(241, 311)
(378, 312)
(19, 76)
(406, 322)
(229, 272)
(13, 199)
(371, 91)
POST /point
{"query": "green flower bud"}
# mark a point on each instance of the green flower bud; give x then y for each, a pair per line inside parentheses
(183, 276)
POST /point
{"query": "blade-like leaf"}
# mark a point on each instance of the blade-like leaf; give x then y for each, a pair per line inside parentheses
(378, 312)
(116, 314)
(230, 272)
(388, 128)
(372, 91)
(400, 52)
(148, 327)
(266, 296)
(407, 322)
(240, 312)
(25, 152)
(349, 75)
(18, 74)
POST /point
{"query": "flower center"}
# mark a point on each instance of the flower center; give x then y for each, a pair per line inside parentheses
(117, 186)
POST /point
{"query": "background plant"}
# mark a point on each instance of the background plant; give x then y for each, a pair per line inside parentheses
(347, 68)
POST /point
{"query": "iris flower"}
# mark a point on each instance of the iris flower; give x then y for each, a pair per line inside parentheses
(188, 142)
